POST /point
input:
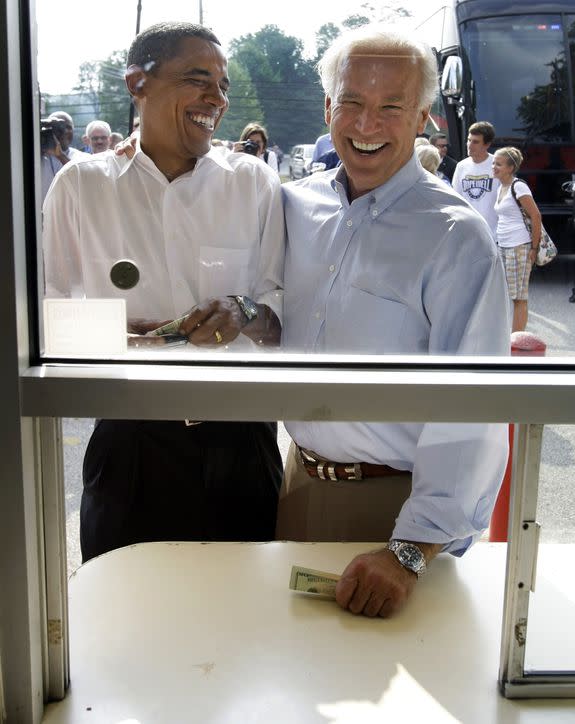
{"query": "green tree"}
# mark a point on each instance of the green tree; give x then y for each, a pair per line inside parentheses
(102, 82)
(286, 84)
(325, 37)
(383, 12)
(244, 103)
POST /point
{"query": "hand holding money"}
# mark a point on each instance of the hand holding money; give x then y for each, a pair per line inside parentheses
(318, 583)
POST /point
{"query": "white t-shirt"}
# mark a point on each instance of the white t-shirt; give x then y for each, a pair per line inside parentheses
(475, 182)
(511, 229)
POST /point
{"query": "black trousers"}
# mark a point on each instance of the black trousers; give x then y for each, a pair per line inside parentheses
(161, 480)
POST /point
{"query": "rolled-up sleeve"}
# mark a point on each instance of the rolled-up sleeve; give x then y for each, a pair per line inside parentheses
(458, 468)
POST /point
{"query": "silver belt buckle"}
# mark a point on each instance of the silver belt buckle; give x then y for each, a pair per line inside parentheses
(190, 423)
(354, 471)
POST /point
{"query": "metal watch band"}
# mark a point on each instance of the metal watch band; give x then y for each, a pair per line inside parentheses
(409, 555)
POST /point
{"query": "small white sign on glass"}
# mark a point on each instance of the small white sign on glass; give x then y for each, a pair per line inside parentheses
(85, 327)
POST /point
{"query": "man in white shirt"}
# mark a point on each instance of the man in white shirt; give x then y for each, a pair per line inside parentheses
(473, 177)
(383, 258)
(207, 235)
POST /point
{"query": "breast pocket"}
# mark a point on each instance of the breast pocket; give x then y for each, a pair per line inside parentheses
(372, 324)
(224, 271)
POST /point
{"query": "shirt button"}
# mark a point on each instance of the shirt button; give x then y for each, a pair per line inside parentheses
(374, 213)
(349, 222)
(332, 267)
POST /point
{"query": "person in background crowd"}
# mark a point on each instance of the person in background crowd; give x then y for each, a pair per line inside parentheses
(448, 164)
(517, 246)
(420, 141)
(383, 258)
(323, 145)
(207, 234)
(278, 152)
(115, 138)
(473, 177)
(258, 134)
(67, 137)
(430, 159)
(98, 133)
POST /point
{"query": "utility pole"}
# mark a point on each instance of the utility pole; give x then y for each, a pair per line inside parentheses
(201, 12)
(131, 115)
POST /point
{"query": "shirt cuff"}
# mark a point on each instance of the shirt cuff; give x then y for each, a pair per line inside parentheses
(274, 300)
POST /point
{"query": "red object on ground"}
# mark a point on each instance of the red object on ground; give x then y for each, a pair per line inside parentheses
(522, 344)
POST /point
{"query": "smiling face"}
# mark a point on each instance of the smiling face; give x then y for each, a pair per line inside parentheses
(374, 118)
(99, 139)
(503, 168)
(181, 105)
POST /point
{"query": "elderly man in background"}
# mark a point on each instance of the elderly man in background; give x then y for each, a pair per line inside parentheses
(98, 134)
(383, 258)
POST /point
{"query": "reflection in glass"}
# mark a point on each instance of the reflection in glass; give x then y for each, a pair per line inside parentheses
(522, 83)
(550, 633)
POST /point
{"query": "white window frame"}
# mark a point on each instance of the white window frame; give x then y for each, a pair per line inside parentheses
(33, 616)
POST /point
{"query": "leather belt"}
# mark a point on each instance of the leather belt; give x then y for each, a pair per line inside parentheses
(329, 470)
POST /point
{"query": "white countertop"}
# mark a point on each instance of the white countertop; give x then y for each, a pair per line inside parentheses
(189, 632)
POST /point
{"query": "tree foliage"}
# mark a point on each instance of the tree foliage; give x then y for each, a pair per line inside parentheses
(272, 81)
(244, 103)
(103, 83)
(285, 82)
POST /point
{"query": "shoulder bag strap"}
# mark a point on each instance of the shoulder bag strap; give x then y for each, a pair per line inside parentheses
(526, 219)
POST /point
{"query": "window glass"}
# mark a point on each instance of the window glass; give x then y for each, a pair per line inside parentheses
(550, 642)
(145, 250)
(523, 99)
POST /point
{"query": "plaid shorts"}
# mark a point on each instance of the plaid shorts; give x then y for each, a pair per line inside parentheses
(517, 269)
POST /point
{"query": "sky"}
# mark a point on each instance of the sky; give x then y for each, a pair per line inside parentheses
(73, 31)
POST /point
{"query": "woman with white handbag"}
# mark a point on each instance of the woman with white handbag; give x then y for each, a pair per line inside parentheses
(518, 230)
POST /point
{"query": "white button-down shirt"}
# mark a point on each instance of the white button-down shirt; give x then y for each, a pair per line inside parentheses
(406, 269)
(214, 231)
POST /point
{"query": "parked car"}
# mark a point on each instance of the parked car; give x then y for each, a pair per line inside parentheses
(300, 160)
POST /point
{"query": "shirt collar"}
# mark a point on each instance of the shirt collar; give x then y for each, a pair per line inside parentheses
(213, 156)
(389, 192)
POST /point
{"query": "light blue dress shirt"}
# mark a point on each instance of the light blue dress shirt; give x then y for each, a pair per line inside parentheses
(408, 268)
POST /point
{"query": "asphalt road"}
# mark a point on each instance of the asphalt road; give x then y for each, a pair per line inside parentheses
(551, 318)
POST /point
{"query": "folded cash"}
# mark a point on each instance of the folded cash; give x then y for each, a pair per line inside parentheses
(169, 328)
(307, 580)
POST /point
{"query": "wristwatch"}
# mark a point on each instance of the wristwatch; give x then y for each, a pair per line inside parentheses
(409, 555)
(248, 307)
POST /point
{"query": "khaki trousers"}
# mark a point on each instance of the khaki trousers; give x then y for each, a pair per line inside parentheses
(311, 509)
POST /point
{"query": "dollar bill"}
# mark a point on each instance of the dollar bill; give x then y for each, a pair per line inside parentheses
(169, 328)
(308, 580)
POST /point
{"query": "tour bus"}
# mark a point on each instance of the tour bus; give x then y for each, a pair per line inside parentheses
(513, 64)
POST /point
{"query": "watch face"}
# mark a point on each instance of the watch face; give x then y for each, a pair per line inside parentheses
(411, 557)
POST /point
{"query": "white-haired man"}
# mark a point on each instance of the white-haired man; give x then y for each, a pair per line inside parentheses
(384, 258)
(98, 133)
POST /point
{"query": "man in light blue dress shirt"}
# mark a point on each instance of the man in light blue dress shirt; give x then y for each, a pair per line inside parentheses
(384, 258)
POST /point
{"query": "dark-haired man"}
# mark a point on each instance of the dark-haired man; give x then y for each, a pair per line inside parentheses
(473, 177)
(448, 164)
(207, 235)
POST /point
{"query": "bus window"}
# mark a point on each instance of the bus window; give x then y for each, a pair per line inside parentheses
(522, 83)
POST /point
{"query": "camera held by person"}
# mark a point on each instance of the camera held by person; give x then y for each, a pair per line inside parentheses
(250, 147)
(51, 130)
